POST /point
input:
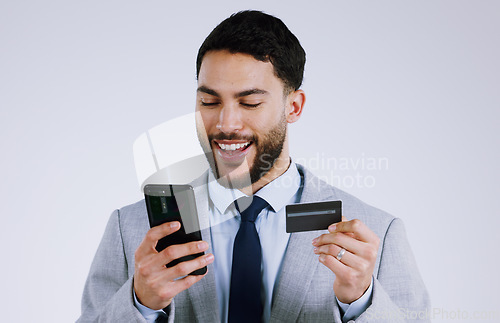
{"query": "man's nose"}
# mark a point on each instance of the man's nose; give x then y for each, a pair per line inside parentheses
(229, 120)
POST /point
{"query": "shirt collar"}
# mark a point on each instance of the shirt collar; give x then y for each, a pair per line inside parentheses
(277, 193)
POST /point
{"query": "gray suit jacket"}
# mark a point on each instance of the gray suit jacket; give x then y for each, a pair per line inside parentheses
(304, 292)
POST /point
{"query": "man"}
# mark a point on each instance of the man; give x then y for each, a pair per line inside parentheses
(250, 69)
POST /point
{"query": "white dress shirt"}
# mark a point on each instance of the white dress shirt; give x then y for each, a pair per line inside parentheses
(271, 227)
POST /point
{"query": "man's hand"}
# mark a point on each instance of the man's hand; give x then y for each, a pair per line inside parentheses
(354, 270)
(155, 285)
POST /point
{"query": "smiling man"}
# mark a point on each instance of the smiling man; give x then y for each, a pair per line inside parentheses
(250, 70)
(245, 109)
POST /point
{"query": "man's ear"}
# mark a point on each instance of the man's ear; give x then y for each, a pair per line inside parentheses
(295, 103)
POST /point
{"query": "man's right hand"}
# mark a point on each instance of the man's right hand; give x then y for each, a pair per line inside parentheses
(156, 285)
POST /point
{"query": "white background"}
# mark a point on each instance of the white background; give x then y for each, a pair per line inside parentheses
(415, 82)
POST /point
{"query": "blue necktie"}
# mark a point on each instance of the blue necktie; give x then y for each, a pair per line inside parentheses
(162, 318)
(245, 304)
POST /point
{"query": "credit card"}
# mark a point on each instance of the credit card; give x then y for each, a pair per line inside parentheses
(312, 216)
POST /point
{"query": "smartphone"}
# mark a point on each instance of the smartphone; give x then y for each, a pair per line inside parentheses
(173, 202)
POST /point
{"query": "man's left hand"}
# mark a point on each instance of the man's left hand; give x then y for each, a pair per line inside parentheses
(355, 268)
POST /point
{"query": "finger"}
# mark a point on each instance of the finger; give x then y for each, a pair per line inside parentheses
(156, 287)
(168, 291)
(161, 288)
(337, 267)
(186, 267)
(333, 250)
(154, 234)
(180, 250)
(344, 219)
(356, 227)
(365, 250)
(340, 239)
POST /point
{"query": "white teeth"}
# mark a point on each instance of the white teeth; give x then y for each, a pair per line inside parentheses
(233, 146)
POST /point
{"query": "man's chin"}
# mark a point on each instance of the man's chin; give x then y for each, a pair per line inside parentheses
(233, 176)
(233, 180)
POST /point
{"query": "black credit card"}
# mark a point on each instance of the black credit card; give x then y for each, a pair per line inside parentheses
(312, 216)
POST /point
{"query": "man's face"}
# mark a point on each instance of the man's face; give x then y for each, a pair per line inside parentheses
(242, 106)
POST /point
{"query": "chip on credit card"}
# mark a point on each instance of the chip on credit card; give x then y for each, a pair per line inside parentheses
(312, 216)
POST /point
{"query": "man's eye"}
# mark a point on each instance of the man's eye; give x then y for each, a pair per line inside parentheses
(209, 104)
(250, 105)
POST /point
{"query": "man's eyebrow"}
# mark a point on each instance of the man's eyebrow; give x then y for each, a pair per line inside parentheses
(206, 90)
(209, 91)
(250, 92)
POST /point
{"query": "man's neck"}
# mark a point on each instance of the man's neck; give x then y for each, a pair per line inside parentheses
(279, 168)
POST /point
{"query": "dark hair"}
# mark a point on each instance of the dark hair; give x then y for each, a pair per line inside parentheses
(263, 36)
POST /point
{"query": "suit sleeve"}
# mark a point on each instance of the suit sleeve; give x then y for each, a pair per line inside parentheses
(399, 294)
(108, 292)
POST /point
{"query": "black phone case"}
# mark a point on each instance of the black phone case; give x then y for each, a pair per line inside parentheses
(162, 206)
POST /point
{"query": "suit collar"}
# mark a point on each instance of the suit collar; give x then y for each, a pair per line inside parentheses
(277, 193)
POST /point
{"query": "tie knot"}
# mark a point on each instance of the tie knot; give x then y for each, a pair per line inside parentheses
(250, 210)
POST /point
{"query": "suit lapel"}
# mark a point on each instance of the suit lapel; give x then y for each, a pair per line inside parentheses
(300, 262)
(297, 271)
(203, 294)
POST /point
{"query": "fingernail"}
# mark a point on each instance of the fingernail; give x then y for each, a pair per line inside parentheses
(332, 228)
(322, 258)
(315, 241)
(202, 245)
(174, 225)
(315, 250)
(209, 258)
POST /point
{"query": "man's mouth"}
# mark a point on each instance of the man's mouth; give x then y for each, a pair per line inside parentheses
(231, 150)
(233, 146)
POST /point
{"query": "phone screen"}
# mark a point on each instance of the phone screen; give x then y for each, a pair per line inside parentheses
(167, 203)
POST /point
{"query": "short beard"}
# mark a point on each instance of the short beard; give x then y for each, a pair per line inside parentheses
(268, 150)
